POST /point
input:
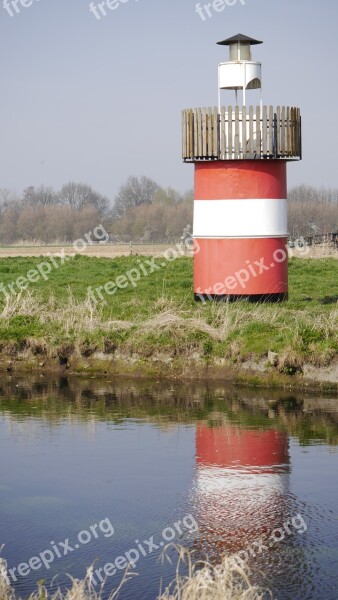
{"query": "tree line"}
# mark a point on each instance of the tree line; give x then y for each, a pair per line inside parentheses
(312, 211)
(142, 212)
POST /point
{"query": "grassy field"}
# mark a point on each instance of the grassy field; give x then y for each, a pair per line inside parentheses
(158, 320)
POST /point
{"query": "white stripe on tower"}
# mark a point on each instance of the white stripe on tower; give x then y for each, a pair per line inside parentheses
(259, 217)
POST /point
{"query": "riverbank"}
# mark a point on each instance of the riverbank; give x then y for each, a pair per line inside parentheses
(97, 316)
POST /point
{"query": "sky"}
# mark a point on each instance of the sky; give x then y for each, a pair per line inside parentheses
(96, 100)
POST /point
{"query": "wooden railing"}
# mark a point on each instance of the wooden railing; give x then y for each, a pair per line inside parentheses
(241, 133)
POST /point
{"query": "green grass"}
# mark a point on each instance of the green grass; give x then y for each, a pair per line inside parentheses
(161, 316)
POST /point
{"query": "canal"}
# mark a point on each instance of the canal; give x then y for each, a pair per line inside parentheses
(102, 473)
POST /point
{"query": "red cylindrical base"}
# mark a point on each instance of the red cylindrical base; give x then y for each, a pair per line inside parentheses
(241, 267)
(240, 230)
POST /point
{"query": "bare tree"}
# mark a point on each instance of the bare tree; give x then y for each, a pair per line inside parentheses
(80, 195)
(41, 196)
(8, 223)
(312, 211)
(135, 192)
(7, 196)
(167, 196)
(157, 222)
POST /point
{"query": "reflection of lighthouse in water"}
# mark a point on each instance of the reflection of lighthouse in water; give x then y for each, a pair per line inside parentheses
(240, 485)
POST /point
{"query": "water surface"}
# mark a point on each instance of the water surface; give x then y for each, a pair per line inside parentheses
(122, 466)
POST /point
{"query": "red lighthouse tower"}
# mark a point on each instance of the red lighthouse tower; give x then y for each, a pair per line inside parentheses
(240, 207)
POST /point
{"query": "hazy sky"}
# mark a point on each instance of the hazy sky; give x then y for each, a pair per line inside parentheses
(97, 100)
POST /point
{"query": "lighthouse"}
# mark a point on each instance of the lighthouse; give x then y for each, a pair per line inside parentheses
(240, 153)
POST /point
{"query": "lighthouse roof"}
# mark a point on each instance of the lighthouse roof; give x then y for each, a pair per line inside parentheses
(239, 38)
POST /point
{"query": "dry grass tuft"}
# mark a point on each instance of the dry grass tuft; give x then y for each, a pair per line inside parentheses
(319, 251)
(226, 581)
(168, 320)
(6, 592)
(80, 589)
(289, 361)
(24, 303)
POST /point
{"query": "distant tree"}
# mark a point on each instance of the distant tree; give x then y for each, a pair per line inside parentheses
(41, 196)
(135, 192)
(8, 223)
(31, 223)
(80, 195)
(60, 223)
(312, 211)
(161, 221)
(166, 196)
(188, 196)
(87, 218)
(7, 197)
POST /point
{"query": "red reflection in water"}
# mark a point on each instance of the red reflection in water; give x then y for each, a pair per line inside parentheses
(228, 446)
(240, 485)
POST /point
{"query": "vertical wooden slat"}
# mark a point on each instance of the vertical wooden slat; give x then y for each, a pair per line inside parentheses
(237, 132)
(295, 117)
(195, 131)
(204, 132)
(270, 150)
(215, 127)
(283, 146)
(188, 133)
(288, 136)
(299, 137)
(199, 133)
(278, 149)
(291, 131)
(296, 133)
(209, 132)
(187, 125)
(191, 130)
(223, 134)
(264, 130)
(230, 142)
(251, 145)
(258, 148)
(244, 132)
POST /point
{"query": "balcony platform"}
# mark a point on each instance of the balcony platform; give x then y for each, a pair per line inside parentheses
(241, 133)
